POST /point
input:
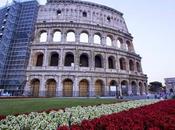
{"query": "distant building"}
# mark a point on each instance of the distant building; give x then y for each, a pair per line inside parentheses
(170, 84)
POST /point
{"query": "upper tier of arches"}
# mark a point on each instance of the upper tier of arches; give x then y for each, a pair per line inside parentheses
(84, 37)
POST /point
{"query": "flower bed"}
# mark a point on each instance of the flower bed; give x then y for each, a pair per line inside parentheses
(158, 116)
(50, 121)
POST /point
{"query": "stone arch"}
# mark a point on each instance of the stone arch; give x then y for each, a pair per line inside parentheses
(109, 40)
(69, 59)
(128, 46)
(97, 38)
(43, 36)
(111, 62)
(67, 88)
(113, 88)
(54, 59)
(124, 88)
(56, 36)
(38, 59)
(84, 88)
(98, 61)
(131, 65)
(84, 60)
(99, 88)
(141, 88)
(51, 88)
(138, 67)
(35, 86)
(119, 42)
(70, 36)
(84, 37)
(134, 88)
(122, 63)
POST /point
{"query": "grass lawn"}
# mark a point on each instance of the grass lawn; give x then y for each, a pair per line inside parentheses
(22, 105)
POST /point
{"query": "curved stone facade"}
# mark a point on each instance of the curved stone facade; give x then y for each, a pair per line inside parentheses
(83, 49)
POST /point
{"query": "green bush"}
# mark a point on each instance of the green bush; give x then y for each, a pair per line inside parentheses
(173, 97)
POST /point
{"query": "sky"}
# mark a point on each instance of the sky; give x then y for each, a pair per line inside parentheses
(152, 24)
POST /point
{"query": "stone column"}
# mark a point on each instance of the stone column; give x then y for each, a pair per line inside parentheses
(61, 65)
(103, 41)
(76, 87)
(138, 89)
(27, 89)
(45, 59)
(92, 88)
(49, 36)
(92, 60)
(91, 39)
(77, 38)
(129, 89)
(114, 42)
(59, 87)
(42, 90)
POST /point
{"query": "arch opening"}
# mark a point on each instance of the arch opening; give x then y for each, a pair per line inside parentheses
(83, 88)
(70, 36)
(111, 62)
(51, 88)
(35, 85)
(99, 90)
(122, 64)
(98, 61)
(84, 61)
(124, 88)
(84, 37)
(54, 59)
(97, 39)
(67, 88)
(69, 60)
(39, 59)
(57, 36)
(43, 36)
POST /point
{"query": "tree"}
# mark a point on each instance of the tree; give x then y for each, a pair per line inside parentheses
(155, 86)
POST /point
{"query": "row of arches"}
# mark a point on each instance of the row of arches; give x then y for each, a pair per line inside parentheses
(69, 60)
(84, 37)
(84, 88)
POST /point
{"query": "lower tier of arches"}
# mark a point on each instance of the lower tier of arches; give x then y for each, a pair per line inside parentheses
(71, 86)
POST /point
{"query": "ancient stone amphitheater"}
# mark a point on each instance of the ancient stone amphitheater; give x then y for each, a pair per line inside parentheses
(83, 49)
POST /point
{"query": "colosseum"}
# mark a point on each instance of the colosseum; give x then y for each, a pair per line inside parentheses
(83, 49)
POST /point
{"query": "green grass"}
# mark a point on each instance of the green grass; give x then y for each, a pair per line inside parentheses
(14, 106)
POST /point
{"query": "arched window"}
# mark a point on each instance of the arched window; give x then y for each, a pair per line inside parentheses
(124, 87)
(97, 39)
(54, 59)
(43, 36)
(138, 67)
(84, 14)
(122, 64)
(134, 88)
(51, 88)
(59, 12)
(109, 41)
(57, 36)
(111, 62)
(99, 88)
(131, 65)
(69, 60)
(119, 42)
(98, 61)
(84, 62)
(39, 60)
(128, 46)
(84, 37)
(70, 36)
